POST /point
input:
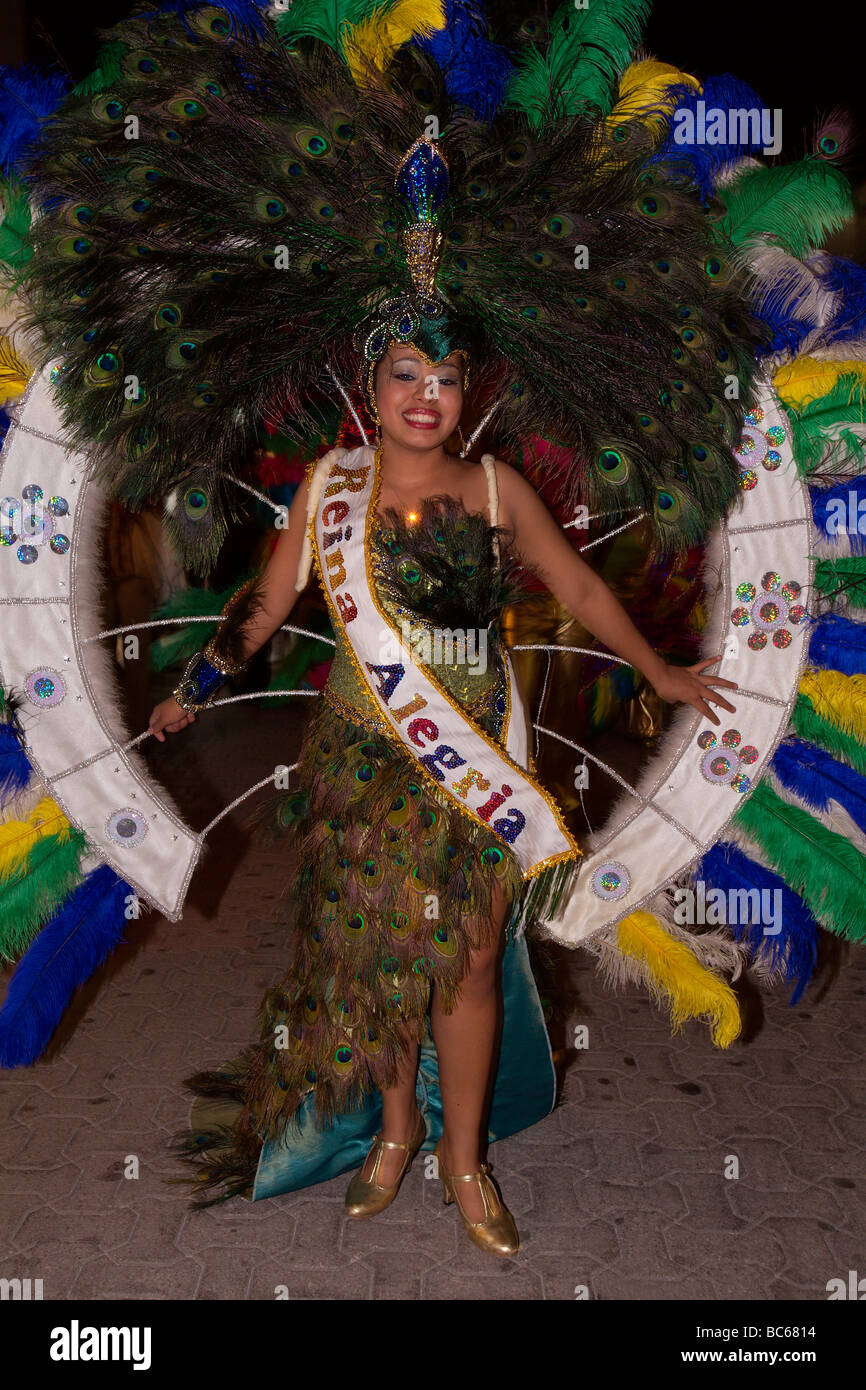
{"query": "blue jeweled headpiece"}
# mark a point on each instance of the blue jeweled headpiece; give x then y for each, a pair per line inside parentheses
(422, 182)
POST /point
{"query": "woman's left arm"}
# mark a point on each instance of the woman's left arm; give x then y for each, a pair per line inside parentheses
(540, 545)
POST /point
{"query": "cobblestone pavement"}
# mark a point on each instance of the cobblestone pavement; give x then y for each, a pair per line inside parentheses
(621, 1190)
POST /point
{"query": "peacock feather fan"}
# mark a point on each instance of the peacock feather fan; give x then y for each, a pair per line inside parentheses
(215, 229)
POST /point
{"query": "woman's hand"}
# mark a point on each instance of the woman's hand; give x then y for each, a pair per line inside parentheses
(688, 684)
(168, 714)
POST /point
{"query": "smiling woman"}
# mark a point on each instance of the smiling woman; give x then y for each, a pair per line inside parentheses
(408, 1017)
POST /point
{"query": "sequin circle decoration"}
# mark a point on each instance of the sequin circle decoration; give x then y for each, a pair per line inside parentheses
(126, 827)
(611, 881)
(758, 447)
(44, 687)
(768, 610)
(723, 763)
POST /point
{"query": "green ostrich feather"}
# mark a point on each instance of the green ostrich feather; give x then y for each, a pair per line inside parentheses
(816, 433)
(796, 205)
(108, 69)
(846, 576)
(586, 54)
(323, 19)
(806, 722)
(183, 642)
(15, 223)
(30, 898)
(823, 867)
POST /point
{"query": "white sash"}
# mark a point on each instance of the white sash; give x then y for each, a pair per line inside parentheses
(487, 783)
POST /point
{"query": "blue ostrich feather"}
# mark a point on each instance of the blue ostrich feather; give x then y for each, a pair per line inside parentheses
(795, 947)
(815, 777)
(831, 507)
(65, 954)
(27, 96)
(848, 280)
(838, 644)
(15, 769)
(476, 71)
(706, 161)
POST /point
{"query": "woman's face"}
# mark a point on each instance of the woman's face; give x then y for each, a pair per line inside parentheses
(419, 406)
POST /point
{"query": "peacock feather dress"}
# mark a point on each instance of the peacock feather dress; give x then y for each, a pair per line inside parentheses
(395, 885)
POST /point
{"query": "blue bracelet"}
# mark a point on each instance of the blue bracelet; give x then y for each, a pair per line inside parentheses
(199, 683)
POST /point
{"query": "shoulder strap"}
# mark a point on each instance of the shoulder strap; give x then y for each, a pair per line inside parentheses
(316, 480)
(489, 465)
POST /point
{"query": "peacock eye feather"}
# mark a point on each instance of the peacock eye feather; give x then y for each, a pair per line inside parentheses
(517, 153)
(108, 110)
(268, 207)
(137, 443)
(541, 259)
(78, 214)
(648, 424)
(138, 402)
(134, 209)
(183, 353)
(377, 248)
(105, 369)
(312, 265)
(534, 27)
(139, 63)
(311, 142)
(558, 225)
(196, 503)
(144, 174)
(213, 23)
(478, 189)
(653, 205)
(613, 466)
(168, 316)
(75, 248)
(205, 396)
(186, 107)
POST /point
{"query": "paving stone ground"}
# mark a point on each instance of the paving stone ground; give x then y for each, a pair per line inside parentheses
(621, 1190)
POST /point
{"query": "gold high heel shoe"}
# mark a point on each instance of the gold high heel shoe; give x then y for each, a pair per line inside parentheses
(497, 1232)
(364, 1196)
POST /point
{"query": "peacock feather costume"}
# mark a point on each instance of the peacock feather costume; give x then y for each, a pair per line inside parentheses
(229, 222)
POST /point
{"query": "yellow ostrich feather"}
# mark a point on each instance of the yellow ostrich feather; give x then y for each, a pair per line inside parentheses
(839, 699)
(808, 379)
(14, 374)
(675, 974)
(372, 43)
(17, 837)
(646, 86)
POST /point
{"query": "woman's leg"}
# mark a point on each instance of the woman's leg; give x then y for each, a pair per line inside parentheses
(399, 1117)
(466, 1041)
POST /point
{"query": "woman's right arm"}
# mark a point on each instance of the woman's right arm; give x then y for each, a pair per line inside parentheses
(276, 597)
